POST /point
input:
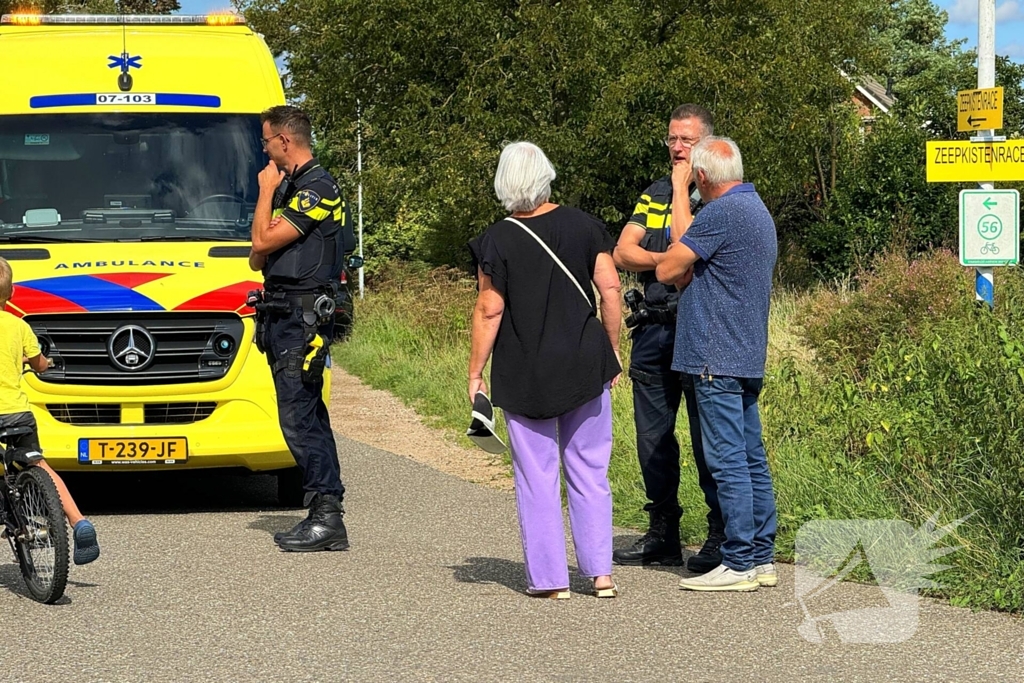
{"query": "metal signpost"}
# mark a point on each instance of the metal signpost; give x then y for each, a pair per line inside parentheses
(984, 281)
(359, 172)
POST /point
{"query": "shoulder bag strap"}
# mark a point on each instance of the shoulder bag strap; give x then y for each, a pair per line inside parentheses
(558, 261)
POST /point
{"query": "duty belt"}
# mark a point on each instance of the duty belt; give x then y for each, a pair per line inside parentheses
(646, 377)
(317, 305)
(661, 314)
(316, 308)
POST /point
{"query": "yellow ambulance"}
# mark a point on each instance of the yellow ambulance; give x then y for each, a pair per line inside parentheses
(129, 152)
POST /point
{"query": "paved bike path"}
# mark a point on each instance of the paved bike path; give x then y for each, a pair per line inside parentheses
(432, 590)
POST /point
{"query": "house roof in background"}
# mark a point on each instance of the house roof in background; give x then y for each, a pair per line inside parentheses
(875, 91)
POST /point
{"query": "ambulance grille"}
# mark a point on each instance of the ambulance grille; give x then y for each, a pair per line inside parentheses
(137, 349)
(85, 413)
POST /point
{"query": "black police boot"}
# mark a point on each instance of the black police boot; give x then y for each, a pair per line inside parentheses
(295, 530)
(660, 545)
(325, 531)
(710, 555)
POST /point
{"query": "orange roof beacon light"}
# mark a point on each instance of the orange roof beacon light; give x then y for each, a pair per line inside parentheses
(22, 19)
(224, 19)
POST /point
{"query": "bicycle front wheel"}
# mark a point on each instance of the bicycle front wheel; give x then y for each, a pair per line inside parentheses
(42, 542)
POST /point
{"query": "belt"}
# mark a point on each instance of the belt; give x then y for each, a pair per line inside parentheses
(294, 298)
(663, 315)
(660, 315)
(303, 298)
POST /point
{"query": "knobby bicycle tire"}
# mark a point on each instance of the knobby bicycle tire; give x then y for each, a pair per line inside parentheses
(43, 553)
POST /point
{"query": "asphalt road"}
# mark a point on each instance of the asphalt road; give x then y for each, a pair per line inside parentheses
(191, 588)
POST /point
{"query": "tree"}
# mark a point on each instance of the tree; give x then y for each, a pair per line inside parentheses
(881, 197)
(443, 83)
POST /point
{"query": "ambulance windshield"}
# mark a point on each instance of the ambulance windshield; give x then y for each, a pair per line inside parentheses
(125, 177)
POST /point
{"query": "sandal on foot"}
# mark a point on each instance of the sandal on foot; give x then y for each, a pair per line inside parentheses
(610, 592)
(550, 594)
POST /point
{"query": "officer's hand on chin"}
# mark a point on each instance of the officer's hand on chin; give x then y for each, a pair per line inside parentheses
(270, 177)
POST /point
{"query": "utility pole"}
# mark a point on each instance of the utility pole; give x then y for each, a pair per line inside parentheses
(984, 281)
(358, 170)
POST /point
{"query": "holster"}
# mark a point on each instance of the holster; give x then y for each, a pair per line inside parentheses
(315, 361)
(261, 330)
(663, 315)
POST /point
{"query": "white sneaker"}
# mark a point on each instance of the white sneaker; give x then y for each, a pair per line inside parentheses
(721, 578)
(766, 575)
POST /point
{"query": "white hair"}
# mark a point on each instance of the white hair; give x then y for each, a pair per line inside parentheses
(523, 179)
(720, 160)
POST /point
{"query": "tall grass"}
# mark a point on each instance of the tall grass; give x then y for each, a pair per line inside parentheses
(890, 396)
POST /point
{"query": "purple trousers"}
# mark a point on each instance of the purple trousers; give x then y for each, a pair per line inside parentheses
(581, 440)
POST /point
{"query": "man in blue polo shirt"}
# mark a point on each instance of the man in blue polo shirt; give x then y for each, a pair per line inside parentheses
(722, 343)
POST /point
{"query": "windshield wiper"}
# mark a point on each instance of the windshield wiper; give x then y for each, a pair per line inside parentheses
(183, 238)
(43, 239)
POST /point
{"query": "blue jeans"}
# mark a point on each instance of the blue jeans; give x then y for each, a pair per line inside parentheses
(731, 433)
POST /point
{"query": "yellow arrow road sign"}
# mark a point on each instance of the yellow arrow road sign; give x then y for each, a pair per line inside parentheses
(960, 161)
(979, 109)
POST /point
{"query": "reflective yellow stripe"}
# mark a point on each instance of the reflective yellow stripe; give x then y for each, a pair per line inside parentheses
(329, 202)
(317, 213)
(658, 207)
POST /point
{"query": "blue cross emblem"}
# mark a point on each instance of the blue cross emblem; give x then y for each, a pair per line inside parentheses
(125, 62)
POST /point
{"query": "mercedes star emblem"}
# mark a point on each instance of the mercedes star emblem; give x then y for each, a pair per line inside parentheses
(131, 348)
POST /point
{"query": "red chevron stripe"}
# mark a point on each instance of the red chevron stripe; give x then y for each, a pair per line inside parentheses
(36, 301)
(230, 298)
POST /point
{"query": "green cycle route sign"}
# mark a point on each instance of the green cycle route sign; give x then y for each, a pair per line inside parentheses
(989, 227)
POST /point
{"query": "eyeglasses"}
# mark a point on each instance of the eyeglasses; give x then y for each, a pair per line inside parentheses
(266, 141)
(671, 140)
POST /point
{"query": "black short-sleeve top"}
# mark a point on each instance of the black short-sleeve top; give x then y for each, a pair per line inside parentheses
(551, 354)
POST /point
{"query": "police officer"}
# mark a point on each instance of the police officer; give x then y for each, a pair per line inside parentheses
(297, 242)
(662, 215)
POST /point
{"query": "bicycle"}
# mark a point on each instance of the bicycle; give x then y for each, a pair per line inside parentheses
(32, 520)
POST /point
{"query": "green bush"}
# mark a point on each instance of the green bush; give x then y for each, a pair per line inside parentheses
(899, 299)
(894, 399)
(916, 405)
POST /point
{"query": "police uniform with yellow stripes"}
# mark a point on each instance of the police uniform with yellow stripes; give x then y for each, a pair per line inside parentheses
(657, 393)
(299, 274)
(311, 202)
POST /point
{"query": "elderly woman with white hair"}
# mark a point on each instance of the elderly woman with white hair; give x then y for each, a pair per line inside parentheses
(553, 365)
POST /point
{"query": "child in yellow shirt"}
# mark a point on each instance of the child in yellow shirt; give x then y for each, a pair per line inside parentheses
(18, 345)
